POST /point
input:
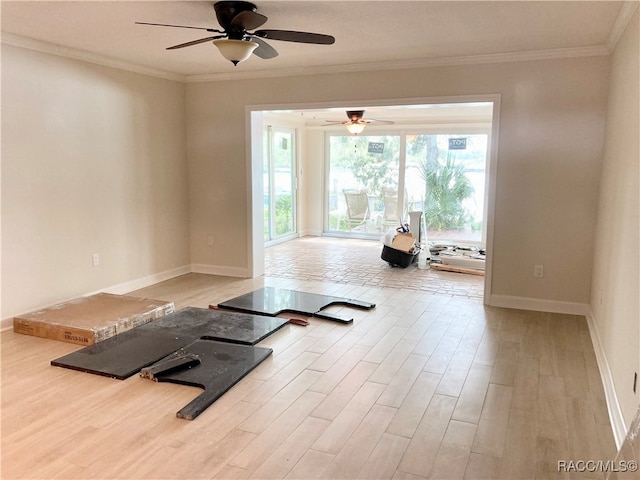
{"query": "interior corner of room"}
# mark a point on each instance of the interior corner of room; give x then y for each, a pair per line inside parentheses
(114, 180)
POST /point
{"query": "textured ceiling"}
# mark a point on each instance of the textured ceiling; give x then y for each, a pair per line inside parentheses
(368, 33)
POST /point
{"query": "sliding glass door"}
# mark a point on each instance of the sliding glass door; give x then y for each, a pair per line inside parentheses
(445, 178)
(279, 182)
(373, 181)
(362, 182)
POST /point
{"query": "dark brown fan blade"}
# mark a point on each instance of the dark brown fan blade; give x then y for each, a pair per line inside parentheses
(248, 20)
(180, 26)
(292, 36)
(195, 42)
(264, 50)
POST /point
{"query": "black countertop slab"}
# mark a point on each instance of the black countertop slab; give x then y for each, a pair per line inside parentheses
(125, 354)
(221, 366)
(274, 301)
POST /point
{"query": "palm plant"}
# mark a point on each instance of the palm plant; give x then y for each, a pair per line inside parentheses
(447, 187)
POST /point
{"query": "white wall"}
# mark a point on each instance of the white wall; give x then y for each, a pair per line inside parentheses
(615, 291)
(549, 154)
(93, 161)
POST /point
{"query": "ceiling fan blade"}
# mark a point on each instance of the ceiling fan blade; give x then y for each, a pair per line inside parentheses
(299, 37)
(179, 26)
(248, 20)
(194, 42)
(264, 50)
(384, 122)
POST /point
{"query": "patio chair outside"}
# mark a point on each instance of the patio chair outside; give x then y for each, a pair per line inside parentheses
(357, 208)
(391, 217)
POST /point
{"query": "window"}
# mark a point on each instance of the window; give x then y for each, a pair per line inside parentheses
(445, 179)
(362, 173)
(279, 183)
(373, 181)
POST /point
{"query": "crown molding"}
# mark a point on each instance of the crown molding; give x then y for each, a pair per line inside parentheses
(560, 53)
(624, 17)
(82, 55)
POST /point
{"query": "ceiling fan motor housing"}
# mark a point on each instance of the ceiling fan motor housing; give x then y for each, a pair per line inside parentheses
(226, 11)
(355, 115)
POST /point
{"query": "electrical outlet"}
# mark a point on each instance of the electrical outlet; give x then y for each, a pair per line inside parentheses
(635, 382)
(95, 259)
(538, 271)
(210, 240)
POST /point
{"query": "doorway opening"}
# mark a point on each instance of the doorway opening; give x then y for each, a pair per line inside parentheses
(439, 156)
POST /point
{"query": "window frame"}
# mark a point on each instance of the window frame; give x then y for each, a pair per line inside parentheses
(403, 132)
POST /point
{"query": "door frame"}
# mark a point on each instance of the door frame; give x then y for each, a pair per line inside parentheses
(254, 122)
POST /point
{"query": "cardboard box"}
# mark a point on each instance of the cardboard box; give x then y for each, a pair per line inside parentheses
(92, 319)
(403, 242)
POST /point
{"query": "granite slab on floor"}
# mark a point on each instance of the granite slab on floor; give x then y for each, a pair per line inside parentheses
(274, 301)
(219, 367)
(127, 353)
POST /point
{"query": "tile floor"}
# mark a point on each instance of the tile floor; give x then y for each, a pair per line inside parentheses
(358, 262)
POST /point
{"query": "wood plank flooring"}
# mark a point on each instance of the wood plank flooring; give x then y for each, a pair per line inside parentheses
(426, 385)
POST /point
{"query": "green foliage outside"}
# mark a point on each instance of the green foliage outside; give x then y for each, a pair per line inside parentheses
(266, 222)
(279, 161)
(373, 171)
(446, 188)
(338, 221)
(284, 215)
(446, 185)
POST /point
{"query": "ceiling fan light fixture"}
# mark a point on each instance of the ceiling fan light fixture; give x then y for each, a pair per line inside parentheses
(355, 128)
(235, 51)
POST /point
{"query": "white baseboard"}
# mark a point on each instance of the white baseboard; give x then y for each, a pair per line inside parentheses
(613, 406)
(143, 282)
(539, 305)
(220, 270)
(119, 289)
(6, 324)
(311, 233)
(126, 287)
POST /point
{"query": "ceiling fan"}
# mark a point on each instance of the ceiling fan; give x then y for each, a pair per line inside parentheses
(356, 123)
(238, 38)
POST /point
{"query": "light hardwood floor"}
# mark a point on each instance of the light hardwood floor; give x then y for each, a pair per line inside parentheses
(426, 385)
